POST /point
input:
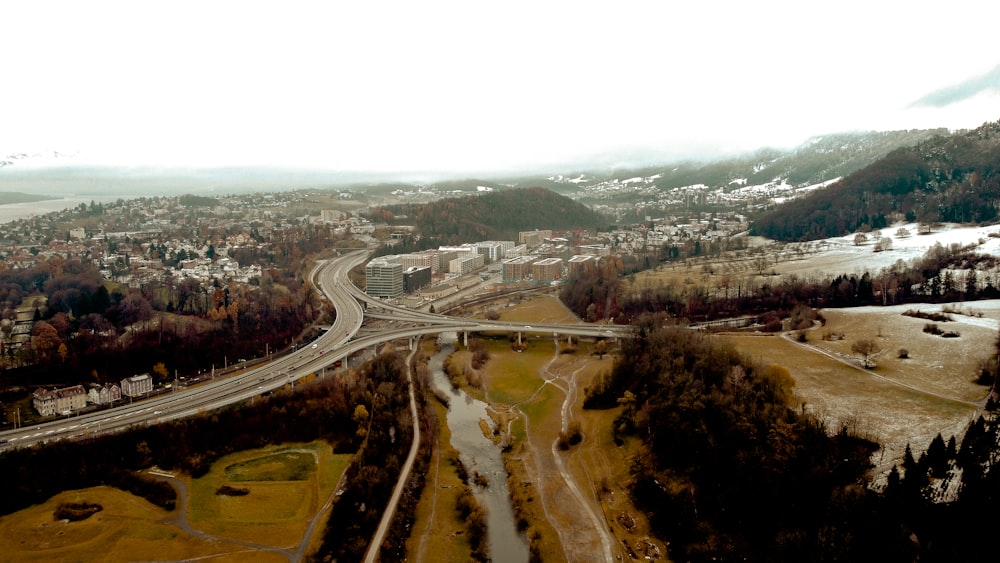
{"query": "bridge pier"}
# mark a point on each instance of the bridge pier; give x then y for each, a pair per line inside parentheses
(465, 339)
(518, 338)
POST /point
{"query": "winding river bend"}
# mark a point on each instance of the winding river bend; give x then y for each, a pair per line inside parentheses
(480, 454)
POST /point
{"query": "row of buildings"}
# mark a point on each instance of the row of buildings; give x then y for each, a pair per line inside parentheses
(74, 398)
(538, 257)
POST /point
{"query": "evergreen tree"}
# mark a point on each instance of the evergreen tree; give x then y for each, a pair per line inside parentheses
(936, 459)
(971, 284)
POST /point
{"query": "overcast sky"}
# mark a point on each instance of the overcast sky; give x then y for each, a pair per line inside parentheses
(474, 86)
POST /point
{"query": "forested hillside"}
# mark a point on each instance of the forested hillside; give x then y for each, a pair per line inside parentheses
(951, 178)
(733, 470)
(495, 215)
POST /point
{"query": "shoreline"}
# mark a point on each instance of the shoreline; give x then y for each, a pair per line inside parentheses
(10, 212)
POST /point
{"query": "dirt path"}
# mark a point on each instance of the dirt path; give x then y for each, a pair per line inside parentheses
(598, 523)
(422, 546)
(404, 473)
(300, 552)
(582, 539)
(180, 520)
(851, 361)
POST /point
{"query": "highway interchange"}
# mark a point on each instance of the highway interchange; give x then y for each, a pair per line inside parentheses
(336, 344)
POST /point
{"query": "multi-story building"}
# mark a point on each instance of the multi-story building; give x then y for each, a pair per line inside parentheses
(517, 269)
(59, 401)
(104, 395)
(577, 264)
(333, 215)
(415, 278)
(547, 270)
(494, 250)
(466, 264)
(137, 385)
(594, 249)
(384, 279)
(430, 259)
(448, 253)
(533, 238)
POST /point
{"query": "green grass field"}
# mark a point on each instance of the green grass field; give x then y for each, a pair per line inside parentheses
(283, 466)
(287, 486)
(128, 529)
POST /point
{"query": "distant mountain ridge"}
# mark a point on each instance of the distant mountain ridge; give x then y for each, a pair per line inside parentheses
(818, 160)
(742, 183)
(950, 178)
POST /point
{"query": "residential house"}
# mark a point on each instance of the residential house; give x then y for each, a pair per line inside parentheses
(104, 395)
(59, 401)
(137, 385)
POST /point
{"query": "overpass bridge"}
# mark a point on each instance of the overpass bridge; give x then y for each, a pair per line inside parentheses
(333, 346)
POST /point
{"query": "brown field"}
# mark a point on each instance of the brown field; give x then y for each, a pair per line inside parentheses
(250, 528)
(542, 309)
(280, 504)
(128, 529)
(901, 401)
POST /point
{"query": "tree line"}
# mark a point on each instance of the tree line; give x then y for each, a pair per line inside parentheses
(942, 274)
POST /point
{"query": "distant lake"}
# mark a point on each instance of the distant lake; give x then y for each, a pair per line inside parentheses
(13, 211)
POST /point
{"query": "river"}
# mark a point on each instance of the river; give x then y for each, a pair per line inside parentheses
(480, 454)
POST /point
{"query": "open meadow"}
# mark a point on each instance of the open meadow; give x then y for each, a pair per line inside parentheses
(286, 485)
(274, 493)
(128, 528)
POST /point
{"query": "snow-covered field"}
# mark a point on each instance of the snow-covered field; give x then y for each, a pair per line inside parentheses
(841, 255)
(903, 401)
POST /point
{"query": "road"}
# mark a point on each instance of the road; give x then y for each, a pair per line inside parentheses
(336, 344)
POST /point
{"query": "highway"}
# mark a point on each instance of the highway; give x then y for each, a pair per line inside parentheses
(337, 343)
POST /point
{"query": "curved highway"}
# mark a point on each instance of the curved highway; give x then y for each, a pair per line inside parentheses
(336, 344)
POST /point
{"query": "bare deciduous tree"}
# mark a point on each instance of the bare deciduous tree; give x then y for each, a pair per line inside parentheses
(866, 349)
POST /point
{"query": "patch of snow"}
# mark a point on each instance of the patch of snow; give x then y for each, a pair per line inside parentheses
(844, 256)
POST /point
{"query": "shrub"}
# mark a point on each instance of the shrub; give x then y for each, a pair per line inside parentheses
(480, 480)
(226, 490)
(76, 511)
(937, 317)
(904, 353)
